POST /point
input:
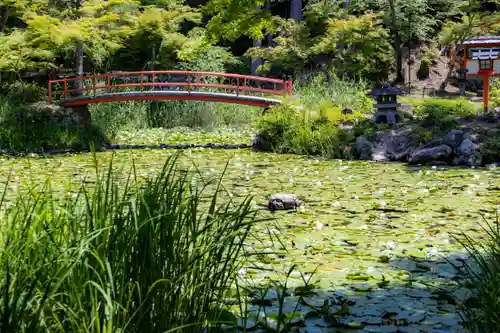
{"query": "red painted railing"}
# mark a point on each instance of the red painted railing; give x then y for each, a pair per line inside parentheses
(155, 80)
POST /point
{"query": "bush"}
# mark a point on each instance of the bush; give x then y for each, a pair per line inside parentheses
(424, 68)
(23, 93)
(309, 125)
(494, 98)
(151, 256)
(440, 113)
(30, 128)
(287, 129)
(490, 149)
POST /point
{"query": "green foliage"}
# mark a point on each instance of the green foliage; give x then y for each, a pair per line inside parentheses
(439, 114)
(490, 149)
(128, 116)
(151, 256)
(288, 130)
(430, 54)
(28, 127)
(211, 59)
(481, 277)
(22, 93)
(291, 49)
(310, 125)
(344, 93)
(231, 19)
(366, 48)
(424, 68)
(494, 97)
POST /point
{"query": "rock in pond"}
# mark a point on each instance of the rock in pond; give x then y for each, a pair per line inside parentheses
(282, 201)
(423, 155)
(364, 148)
(453, 139)
(467, 148)
(472, 160)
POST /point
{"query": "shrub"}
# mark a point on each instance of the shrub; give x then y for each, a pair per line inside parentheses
(457, 107)
(333, 113)
(440, 113)
(28, 127)
(151, 256)
(424, 68)
(20, 92)
(490, 149)
(290, 130)
(494, 98)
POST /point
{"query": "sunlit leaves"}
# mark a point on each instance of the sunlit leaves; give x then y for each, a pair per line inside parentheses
(366, 46)
(291, 45)
(231, 19)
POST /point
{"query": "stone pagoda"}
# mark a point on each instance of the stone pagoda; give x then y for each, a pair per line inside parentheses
(386, 104)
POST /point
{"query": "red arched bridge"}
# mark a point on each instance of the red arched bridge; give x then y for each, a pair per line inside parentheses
(168, 85)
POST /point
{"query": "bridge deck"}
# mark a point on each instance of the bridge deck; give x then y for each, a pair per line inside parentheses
(171, 95)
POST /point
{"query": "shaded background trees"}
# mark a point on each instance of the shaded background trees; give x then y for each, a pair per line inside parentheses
(357, 38)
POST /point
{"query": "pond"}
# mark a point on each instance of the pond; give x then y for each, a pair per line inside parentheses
(376, 238)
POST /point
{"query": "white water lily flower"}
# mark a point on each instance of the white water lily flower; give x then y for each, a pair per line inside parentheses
(382, 203)
(391, 245)
(318, 225)
(335, 204)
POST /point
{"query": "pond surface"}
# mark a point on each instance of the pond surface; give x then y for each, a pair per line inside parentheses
(378, 237)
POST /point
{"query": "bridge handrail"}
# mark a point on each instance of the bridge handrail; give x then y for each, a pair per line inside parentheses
(286, 84)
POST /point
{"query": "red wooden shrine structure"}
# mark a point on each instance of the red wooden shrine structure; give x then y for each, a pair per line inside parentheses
(481, 57)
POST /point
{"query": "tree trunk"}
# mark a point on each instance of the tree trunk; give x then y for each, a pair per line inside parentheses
(3, 18)
(153, 58)
(397, 43)
(79, 68)
(296, 10)
(256, 62)
(269, 36)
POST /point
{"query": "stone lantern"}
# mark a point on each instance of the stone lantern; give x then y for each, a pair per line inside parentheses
(386, 104)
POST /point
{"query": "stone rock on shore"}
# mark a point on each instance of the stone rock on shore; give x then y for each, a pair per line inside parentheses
(423, 155)
(364, 148)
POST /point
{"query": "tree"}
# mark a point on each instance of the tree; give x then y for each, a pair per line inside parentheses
(366, 48)
(231, 19)
(290, 52)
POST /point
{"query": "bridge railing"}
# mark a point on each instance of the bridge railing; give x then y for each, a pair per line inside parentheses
(238, 84)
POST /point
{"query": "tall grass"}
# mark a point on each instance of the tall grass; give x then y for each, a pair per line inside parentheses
(481, 313)
(153, 256)
(114, 117)
(342, 93)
